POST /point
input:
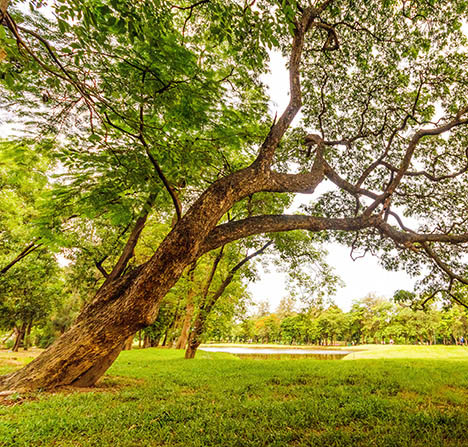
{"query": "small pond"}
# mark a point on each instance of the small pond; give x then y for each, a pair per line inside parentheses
(278, 353)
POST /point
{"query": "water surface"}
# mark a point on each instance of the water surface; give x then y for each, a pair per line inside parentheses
(278, 353)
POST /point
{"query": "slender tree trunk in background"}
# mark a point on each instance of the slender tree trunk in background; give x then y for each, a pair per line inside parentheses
(165, 337)
(189, 309)
(20, 332)
(170, 326)
(128, 343)
(27, 335)
(194, 339)
(149, 342)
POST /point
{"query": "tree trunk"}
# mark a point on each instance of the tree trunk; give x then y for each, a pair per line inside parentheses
(182, 341)
(128, 343)
(20, 333)
(165, 337)
(90, 346)
(149, 342)
(194, 339)
(119, 310)
(3, 8)
(27, 336)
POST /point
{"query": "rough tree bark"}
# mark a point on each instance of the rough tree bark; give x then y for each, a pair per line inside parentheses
(128, 344)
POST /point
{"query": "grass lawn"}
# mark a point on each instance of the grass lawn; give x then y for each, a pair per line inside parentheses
(436, 352)
(154, 397)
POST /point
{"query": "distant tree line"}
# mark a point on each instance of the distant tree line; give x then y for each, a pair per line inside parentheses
(370, 320)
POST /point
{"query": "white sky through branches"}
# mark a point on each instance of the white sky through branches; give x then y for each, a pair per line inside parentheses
(360, 277)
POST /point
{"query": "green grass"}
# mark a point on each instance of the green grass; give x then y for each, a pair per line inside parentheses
(154, 397)
(436, 352)
(12, 360)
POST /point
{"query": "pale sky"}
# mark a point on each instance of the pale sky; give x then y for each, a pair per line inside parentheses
(362, 276)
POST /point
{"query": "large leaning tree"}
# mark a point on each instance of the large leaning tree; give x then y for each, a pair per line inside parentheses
(381, 88)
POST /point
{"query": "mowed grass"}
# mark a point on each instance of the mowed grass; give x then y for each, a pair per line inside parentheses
(12, 360)
(436, 352)
(154, 397)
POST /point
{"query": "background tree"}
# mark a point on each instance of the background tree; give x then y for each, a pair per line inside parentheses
(208, 300)
(28, 293)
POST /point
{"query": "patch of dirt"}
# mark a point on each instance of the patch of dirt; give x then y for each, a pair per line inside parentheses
(455, 389)
(108, 384)
(30, 353)
(439, 399)
(408, 395)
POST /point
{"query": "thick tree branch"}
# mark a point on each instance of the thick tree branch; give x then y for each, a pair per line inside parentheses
(409, 238)
(279, 128)
(302, 183)
(228, 232)
(3, 9)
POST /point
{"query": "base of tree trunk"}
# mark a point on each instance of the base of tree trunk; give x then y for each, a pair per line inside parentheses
(128, 343)
(191, 350)
(90, 377)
